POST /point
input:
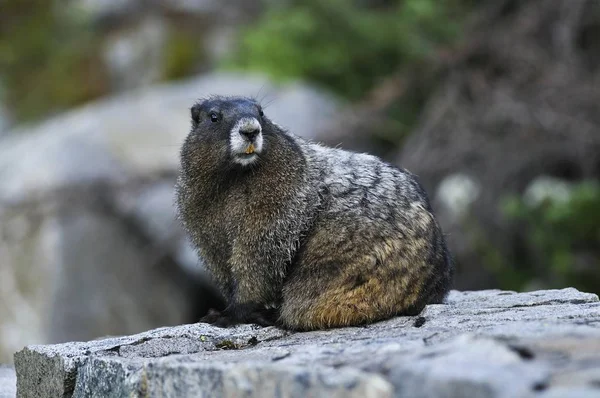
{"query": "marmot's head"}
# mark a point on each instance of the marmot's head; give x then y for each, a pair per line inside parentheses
(227, 131)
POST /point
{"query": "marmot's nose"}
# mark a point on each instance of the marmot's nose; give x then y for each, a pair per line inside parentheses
(250, 133)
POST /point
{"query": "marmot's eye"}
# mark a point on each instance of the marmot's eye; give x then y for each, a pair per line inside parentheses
(214, 117)
(261, 113)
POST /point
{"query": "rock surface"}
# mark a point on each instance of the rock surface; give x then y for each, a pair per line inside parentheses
(478, 344)
(8, 382)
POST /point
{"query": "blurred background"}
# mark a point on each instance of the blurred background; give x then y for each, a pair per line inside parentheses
(495, 104)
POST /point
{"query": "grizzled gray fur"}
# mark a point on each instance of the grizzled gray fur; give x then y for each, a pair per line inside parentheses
(302, 235)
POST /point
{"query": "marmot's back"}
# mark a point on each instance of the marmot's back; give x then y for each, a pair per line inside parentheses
(375, 249)
(300, 234)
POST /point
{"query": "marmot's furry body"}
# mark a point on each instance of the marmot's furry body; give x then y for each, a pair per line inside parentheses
(302, 235)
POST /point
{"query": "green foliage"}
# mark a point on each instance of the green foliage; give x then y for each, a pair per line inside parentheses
(496, 263)
(403, 114)
(182, 54)
(564, 235)
(345, 45)
(49, 60)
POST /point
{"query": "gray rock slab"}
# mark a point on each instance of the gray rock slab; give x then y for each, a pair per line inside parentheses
(103, 277)
(8, 382)
(478, 344)
(51, 370)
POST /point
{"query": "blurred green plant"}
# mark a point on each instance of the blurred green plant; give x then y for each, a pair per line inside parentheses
(183, 53)
(562, 234)
(351, 46)
(49, 58)
(347, 46)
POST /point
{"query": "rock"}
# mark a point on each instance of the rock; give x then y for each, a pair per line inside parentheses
(152, 206)
(28, 253)
(478, 344)
(127, 286)
(8, 382)
(75, 268)
(134, 55)
(86, 208)
(58, 365)
(467, 366)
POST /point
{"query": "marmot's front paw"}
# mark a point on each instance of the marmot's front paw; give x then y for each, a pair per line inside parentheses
(254, 313)
(218, 319)
(262, 318)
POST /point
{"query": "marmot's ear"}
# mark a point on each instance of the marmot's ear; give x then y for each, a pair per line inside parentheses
(195, 111)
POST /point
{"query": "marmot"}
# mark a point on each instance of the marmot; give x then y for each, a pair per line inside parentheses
(301, 235)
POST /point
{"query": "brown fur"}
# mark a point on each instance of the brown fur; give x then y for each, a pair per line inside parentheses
(306, 237)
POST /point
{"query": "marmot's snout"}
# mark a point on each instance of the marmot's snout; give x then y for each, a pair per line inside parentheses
(246, 140)
(250, 133)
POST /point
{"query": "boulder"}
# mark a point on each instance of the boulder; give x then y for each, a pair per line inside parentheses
(478, 344)
(89, 244)
(134, 56)
(8, 382)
